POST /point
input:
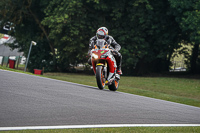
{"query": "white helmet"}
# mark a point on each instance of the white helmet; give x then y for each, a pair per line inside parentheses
(102, 32)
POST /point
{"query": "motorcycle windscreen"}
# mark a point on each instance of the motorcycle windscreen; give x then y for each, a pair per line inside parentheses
(100, 43)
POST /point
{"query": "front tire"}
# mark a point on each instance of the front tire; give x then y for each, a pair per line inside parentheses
(100, 77)
(114, 86)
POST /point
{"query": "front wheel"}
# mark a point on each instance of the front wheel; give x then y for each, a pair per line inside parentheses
(114, 86)
(100, 77)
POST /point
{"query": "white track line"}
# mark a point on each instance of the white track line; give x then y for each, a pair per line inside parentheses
(95, 126)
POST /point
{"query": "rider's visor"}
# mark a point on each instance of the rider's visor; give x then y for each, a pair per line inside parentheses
(100, 36)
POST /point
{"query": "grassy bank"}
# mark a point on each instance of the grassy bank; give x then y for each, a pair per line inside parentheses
(20, 69)
(1, 35)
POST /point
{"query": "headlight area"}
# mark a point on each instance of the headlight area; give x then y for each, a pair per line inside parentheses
(95, 56)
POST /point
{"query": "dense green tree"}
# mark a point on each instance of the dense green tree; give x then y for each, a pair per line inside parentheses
(26, 16)
(69, 30)
(187, 14)
(147, 30)
(147, 33)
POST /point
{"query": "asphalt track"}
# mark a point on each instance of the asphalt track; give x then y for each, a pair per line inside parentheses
(28, 100)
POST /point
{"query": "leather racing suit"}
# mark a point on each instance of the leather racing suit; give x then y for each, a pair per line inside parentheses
(110, 40)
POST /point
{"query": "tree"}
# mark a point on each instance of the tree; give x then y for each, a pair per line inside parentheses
(147, 30)
(65, 20)
(71, 25)
(26, 16)
(144, 29)
(188, 17)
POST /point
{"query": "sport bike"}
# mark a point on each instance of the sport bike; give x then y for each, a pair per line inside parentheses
(104, 65)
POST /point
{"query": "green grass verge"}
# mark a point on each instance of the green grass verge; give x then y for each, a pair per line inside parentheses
(15, 70)
(117, 130)
(1, 35)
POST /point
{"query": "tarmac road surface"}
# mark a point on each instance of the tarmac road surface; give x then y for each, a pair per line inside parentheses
(28, 100)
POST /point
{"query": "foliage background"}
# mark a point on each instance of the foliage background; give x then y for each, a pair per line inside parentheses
(149, 31)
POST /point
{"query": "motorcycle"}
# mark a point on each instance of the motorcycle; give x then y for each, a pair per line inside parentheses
(104, 65)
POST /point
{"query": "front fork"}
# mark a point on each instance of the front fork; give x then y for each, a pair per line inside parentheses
(105, 70)
(107, 75)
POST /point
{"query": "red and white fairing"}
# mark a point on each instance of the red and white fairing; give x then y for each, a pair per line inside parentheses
(104, 56)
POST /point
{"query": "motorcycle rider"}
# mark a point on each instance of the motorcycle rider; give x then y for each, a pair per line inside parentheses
(102, 33)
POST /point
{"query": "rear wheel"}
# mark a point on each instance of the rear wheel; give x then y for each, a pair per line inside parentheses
(100, 77)
(114, 86)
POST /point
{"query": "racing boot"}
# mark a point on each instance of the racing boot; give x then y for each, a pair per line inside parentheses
(119, 63)
(119, 71)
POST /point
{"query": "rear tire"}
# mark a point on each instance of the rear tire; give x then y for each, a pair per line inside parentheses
(100, 77)
(114, 86)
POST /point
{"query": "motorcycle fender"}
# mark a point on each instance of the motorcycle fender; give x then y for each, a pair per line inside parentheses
(95, 66)
(99, 64)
